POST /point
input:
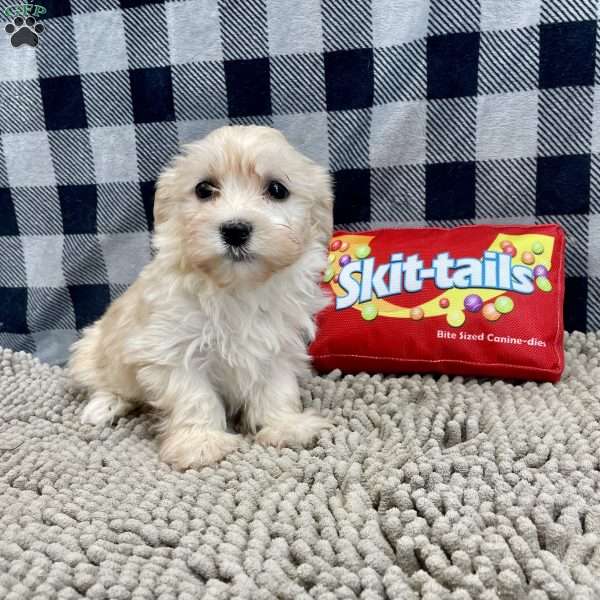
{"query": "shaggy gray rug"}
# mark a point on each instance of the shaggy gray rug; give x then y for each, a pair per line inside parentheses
(425, 488)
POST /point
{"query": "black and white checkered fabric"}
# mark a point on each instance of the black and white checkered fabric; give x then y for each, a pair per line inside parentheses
(438, 111)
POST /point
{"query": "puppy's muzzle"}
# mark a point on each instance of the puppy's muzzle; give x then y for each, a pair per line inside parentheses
(236, 233)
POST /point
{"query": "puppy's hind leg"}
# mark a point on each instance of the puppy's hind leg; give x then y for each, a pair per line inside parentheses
(104, 407)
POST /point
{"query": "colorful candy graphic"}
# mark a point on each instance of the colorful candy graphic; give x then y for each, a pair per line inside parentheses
(473, 303)
(528, 258)
(510, 249)
(444, 303)
(504, 304)
(344, 260)
(537, 247)
(416, 313)
(363, 251)
(455, 318)
(543, 284)
(540, 271)
(335, 245)
(329, 274)
(369, 311)
(489, 312)
(344, 247)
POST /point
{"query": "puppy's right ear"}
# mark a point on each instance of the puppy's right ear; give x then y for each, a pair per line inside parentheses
(162, 197)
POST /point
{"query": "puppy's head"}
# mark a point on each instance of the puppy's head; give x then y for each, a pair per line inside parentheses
(240, 205)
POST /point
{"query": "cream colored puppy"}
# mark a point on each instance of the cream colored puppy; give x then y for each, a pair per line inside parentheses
(216, 325)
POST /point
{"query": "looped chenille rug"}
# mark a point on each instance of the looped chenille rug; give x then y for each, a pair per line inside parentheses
(425, 488)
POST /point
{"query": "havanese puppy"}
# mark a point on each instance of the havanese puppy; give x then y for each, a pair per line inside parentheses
(216, 325)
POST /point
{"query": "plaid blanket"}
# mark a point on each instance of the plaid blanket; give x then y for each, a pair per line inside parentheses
(439, 111)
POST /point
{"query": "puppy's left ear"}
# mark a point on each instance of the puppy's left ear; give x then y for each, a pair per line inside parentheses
(322, 209)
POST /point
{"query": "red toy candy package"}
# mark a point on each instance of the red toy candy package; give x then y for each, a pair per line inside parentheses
(478, 300)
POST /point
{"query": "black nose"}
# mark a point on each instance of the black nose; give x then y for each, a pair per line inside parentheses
(236, 233)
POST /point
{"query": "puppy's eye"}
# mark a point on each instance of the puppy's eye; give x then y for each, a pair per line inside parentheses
(204, 190)
(277, 190)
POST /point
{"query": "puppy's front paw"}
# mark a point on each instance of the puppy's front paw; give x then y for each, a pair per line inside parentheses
(103, 407)
(190, 447)
(296, 430)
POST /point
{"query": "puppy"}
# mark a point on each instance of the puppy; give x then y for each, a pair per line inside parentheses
(216, 325)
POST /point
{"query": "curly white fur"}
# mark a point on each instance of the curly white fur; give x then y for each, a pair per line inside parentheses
(200, 336)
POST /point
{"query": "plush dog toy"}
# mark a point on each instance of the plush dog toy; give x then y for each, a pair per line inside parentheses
(477, 300)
